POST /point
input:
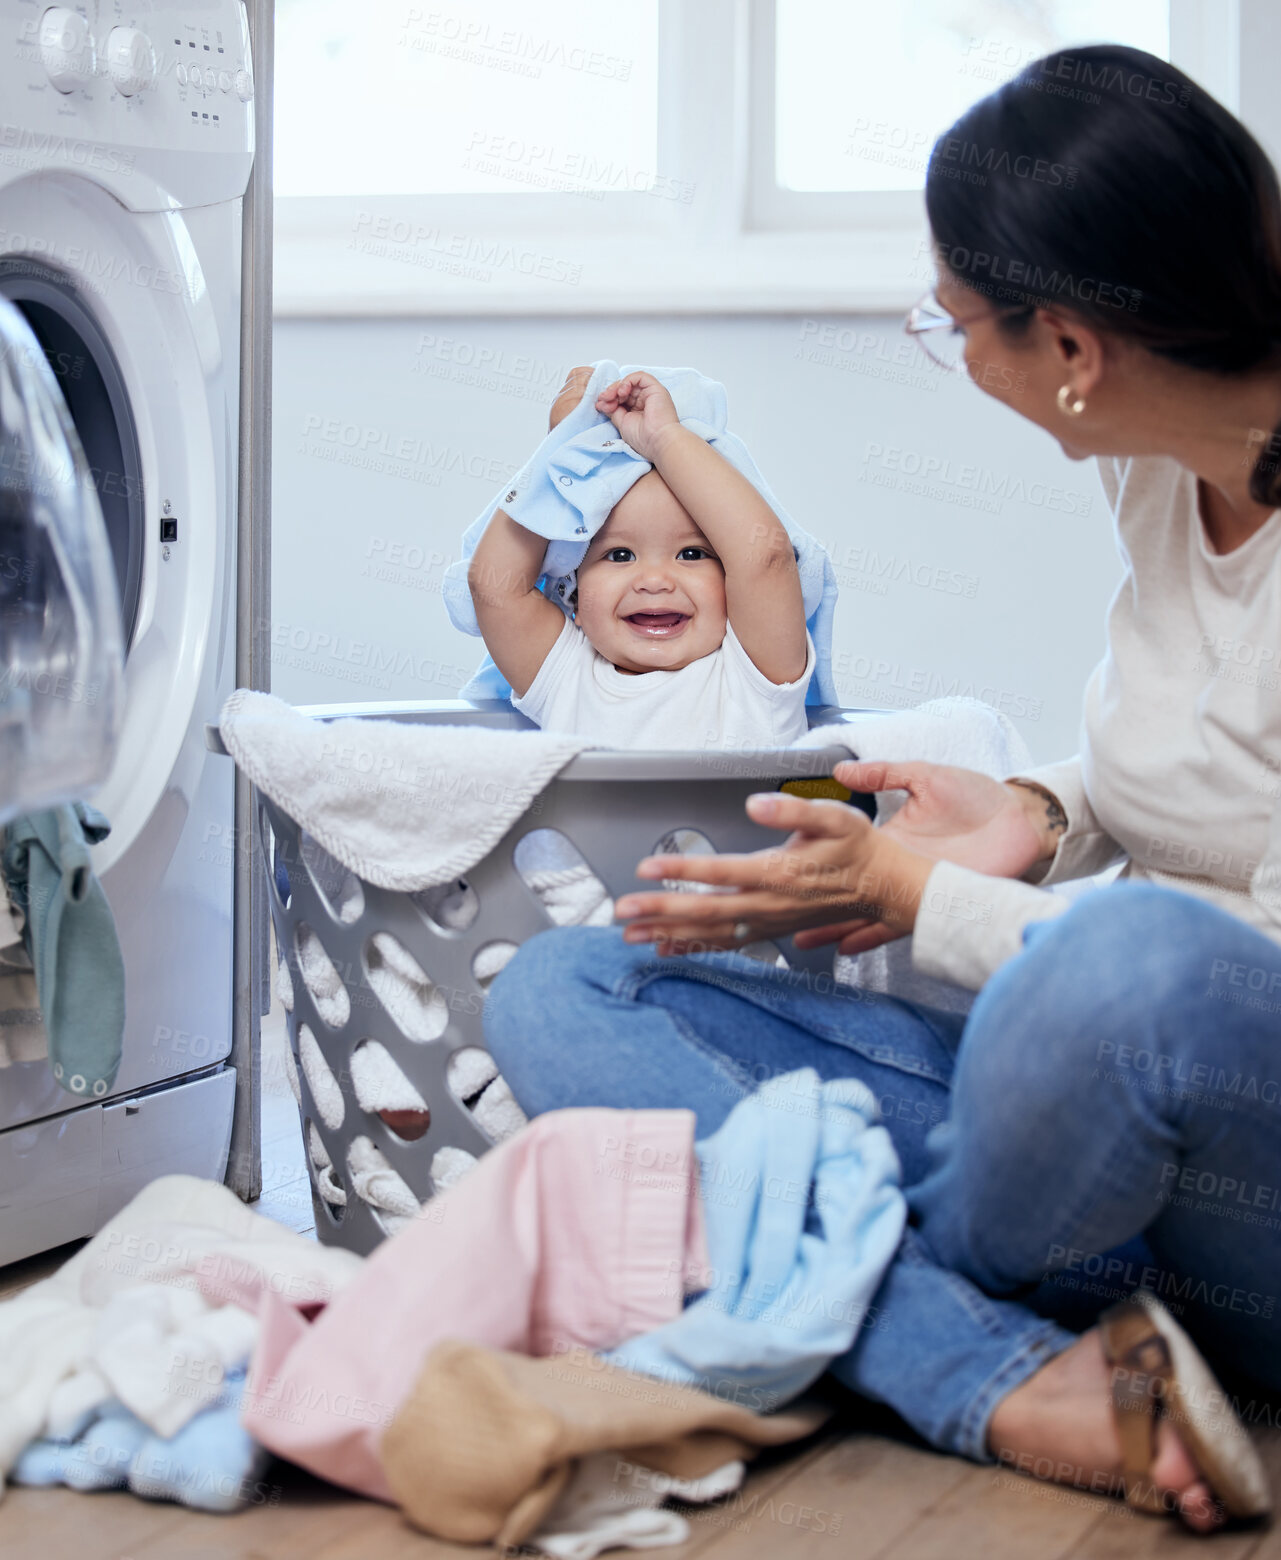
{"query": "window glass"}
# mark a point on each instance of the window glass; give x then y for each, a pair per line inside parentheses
(863, 89)
(492, 96)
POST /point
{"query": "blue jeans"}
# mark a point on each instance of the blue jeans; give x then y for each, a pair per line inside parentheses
(1120, 1079)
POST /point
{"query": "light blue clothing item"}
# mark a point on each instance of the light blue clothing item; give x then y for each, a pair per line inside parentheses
(568, 486)
(70, 935)
(98, 1458)
(212, 1464)
(1046, 1154)
(801, 1197)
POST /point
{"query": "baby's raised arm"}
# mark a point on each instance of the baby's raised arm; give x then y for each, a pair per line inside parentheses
(762, 584)
(518, 623)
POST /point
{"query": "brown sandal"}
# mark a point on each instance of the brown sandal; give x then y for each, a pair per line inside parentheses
(1158, 1372)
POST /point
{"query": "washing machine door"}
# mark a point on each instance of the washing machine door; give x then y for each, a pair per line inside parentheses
(61, 641)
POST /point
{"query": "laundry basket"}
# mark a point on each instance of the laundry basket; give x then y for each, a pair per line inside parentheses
(364, 966)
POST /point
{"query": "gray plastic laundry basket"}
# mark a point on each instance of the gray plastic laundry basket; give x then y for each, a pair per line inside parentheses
(613, 807)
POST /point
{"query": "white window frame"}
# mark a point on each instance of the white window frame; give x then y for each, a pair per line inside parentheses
(740, 245)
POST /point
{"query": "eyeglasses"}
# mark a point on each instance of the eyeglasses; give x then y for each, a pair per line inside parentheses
(942, 335)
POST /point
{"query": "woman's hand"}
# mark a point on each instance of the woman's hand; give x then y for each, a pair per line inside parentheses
(950, 815)
(833, 865)
(960, 815)
(569, 394)
(641, 409)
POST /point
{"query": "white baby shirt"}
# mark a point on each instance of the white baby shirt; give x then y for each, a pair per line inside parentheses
(720, 702)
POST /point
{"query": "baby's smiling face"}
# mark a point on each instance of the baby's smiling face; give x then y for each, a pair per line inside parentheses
(651, 592)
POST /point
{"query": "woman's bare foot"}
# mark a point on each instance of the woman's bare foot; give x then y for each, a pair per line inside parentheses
(1058, 1425)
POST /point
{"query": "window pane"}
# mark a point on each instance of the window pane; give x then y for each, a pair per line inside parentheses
(863, 88)
(385, 97)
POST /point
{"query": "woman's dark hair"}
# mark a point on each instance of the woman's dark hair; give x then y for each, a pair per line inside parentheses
(1104, 181)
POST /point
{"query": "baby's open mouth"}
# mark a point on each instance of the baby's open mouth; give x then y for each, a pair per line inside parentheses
(658, 625)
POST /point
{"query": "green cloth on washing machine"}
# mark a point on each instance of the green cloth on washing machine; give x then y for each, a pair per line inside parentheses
(71, 938)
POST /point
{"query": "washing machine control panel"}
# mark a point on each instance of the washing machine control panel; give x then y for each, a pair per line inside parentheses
(133, 86)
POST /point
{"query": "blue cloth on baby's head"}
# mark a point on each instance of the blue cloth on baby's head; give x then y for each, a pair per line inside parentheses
(567, 488)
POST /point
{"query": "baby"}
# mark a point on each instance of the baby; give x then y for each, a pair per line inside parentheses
(688, 627)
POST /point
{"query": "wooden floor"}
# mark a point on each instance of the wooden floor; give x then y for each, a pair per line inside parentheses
(861, 1492)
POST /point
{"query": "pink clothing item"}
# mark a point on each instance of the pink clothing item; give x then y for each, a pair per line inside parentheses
(586, 1228)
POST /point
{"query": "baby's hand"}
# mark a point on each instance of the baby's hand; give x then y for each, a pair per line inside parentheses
(641, 409)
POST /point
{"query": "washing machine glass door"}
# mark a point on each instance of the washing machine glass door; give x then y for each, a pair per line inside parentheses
(61, 644)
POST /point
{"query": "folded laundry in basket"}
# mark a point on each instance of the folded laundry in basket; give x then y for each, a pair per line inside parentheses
(70, 936)
(565, 492)
(383, 1090)
(405, 807)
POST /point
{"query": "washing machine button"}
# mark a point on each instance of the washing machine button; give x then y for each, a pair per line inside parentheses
(194, 76)
(66, 48)
(224, 81)
(180, 70)
(131, 61)
(244, 85)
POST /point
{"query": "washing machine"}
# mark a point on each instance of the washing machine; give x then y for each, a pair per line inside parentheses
(126, 144)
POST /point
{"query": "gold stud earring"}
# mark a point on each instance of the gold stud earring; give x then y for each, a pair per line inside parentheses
(1069, 405)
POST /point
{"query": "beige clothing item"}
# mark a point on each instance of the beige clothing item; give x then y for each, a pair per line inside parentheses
(487, 1440)
(1180, 767)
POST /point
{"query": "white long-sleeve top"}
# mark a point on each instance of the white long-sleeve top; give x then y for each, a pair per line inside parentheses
(1179, 772)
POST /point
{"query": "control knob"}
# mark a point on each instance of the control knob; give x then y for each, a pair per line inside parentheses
(66, 48)
(131, 62)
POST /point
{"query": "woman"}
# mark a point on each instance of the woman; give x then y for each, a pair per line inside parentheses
(1116, 1079)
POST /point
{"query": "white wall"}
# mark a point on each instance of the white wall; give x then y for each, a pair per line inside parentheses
(991, 577)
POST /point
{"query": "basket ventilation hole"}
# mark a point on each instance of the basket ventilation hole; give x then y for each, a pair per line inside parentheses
(685, 842)
(276, 869)
(767, 953)
(473, 1079)
(415, 1006)
(340, 889)
(693, 842)
(285, 986)
(321, 978)
(383, 1090)
(328, 1185)
(320, 1080)
(291, 1073)
(490, 960)
(556, 872)
(469, 1074)
(377, 1185)
(450, 907)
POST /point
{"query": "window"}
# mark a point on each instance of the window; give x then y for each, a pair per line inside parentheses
(862, 90)
(472, 97)
(491, 156)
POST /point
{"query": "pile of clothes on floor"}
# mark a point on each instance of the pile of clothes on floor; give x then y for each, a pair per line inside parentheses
(602, 1315)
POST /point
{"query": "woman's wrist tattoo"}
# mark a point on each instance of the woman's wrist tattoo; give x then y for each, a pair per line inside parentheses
(1056, 820)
